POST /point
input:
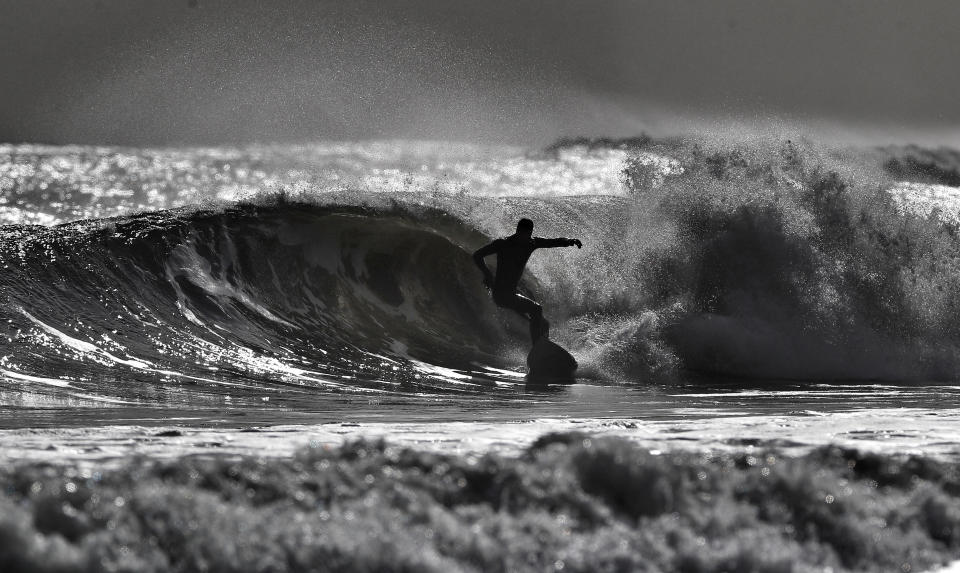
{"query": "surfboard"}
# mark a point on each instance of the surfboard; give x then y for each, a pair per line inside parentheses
(549, 363)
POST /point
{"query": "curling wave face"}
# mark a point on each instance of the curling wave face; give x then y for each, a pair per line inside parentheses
(308, 297)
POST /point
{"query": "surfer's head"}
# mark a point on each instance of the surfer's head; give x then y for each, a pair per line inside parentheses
(525, 227)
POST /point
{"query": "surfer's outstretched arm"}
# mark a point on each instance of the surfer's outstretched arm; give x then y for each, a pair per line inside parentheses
(541, 243)
(478, 257)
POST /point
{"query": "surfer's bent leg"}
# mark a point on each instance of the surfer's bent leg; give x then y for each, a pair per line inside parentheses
(529, 308)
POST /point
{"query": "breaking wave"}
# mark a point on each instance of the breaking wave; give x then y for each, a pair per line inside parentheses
(788, 261)
(761, 259)
(291, 294)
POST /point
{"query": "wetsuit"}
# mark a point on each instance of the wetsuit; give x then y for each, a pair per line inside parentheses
(512, 255)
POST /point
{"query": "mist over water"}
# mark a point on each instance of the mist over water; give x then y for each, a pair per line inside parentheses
(214, 72)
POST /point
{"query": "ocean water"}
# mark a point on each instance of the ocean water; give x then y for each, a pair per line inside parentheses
(280, 357)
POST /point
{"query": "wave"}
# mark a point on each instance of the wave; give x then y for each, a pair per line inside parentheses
(333, 297)
(570, 502)
(913, 163)
(761, 259)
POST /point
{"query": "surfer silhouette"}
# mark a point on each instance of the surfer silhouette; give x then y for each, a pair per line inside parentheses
(512, 255)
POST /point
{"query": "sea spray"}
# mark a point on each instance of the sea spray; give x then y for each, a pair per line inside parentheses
(789, 261)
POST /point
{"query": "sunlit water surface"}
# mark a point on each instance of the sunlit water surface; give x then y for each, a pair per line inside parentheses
(794, 419)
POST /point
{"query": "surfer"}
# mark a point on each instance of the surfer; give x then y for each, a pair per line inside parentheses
(512, 254)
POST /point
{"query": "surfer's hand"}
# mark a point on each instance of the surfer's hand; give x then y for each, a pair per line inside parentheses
(576, 242)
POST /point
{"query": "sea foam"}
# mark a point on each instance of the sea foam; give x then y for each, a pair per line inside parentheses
(569, 502)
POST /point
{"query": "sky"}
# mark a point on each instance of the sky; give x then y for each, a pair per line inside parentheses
(182, 72)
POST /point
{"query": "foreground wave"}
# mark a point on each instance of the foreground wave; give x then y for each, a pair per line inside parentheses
(304, 296)
(570, 502)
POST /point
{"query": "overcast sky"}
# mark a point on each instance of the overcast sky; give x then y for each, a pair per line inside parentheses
(139, 72)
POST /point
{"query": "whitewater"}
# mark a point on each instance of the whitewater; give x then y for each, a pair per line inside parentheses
(281, 357)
